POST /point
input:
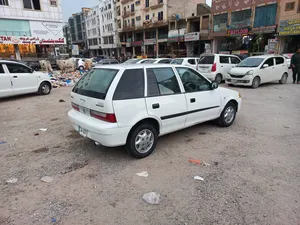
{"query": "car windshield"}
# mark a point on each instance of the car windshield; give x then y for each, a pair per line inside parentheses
(177, 61)
(149, 61)
(207, 59)
(95, 83)
(250, 62)
(132, 61)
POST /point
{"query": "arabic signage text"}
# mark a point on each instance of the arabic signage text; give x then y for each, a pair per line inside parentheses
(289, 27)
(31, 40)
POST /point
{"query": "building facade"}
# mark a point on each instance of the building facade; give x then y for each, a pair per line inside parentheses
(30, 28)
(110, 43)
(78, 31)
(289, 26)
(67, 35)
(93, 31)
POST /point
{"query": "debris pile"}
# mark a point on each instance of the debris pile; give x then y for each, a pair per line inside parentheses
(59, 79)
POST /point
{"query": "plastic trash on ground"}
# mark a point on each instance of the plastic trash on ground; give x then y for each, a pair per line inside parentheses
(142, 174)
(198, 178)
(152, 198)
(12, 180)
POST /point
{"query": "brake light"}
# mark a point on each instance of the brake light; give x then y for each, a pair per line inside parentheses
(214, 67)
(107, 117)
(75, 106)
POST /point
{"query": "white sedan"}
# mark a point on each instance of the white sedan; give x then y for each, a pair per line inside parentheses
(17, 79)
(191, 62)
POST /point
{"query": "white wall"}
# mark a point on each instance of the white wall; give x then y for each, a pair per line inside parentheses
(16, 10)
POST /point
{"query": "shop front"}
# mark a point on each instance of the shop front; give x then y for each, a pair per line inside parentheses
(137, 45)
(176, 42)
(192, 41)
(150, 47)
(289, 35)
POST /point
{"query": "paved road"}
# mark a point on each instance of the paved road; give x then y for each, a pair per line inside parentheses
(253, 177)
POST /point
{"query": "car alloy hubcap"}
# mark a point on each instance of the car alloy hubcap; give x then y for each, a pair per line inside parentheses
(256, 82)
(144, 141)
(284, 78)
(45, 89)
(229, 114)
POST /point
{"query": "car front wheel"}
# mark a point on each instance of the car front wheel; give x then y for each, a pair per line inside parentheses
(255, 82)
(45, 88)
(228, 115)
(142, 140)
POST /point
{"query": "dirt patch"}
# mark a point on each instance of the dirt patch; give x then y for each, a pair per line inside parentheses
(41, 150)
(54, 119)
(73, 134)
(202, 133)
(75, 166)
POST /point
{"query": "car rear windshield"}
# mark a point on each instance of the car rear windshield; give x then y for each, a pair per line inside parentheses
(251, 62)
(177, 61)
(95, 83)
(207, 59)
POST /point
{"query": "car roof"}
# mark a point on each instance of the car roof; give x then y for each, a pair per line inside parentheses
(266, 56)
(136, 66)
(9, 61)
(212, 54)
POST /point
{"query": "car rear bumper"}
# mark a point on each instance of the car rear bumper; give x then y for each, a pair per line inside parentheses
(107, 134)
(210, 76)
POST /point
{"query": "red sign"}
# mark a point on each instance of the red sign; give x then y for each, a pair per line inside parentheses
(30, 40)
(238, 32)
(137, 43)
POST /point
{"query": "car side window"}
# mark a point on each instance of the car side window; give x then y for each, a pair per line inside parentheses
(17, 68)
(279, 60)
(224, 59)
(235, 60)
(131, 85)
(192, 61)
(1, 69)
(113, 62)
(162, 81)
(270, 62)
(192, 80)
(164, 61)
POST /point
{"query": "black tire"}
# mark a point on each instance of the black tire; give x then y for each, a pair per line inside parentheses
(255, 82)
(230, 85)
(219, 78)
(133, 135)
(284, 78)
(222, 121)
(45, 88)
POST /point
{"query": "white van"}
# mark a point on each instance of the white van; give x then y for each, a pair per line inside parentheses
(216, 66)
(17, 79)
(132, 105)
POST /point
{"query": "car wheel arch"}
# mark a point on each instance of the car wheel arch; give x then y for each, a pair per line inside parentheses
(235, 102)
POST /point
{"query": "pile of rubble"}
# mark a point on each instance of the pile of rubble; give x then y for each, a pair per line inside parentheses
(64, 80)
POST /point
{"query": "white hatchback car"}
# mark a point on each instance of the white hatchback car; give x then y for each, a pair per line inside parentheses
(257, 70)
(132, 105)
(17, 79)
(191, 62)
(216, 66)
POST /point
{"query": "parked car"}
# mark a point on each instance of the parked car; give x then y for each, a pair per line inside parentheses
(108, 61)
(288, 58)
(119, 105)
(216, 66)
(17, 78)
(257, 70)
(191, 62)
(158, 61)
(134, 61)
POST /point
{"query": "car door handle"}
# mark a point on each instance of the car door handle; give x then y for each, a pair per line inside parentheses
(15, 76)
(155, 106)
(192, 100)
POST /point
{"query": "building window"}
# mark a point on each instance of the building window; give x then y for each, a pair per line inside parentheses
(138, 2)
(32, 4)
(265, 15)
(298, 10)
(160, 1)
(220, 22)
(138, 18)
(132, 22)
(160, 16)
(240, 19)
(289, 6)
(3, 2)
(132, 7)
(147, 17)
(53, 3)
(147, 3)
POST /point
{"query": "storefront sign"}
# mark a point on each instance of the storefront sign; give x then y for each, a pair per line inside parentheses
(75, 50)
(151, 41)
(195, 36)
(273, 46)
(176, 35)
(46, 30)
(238, 32)
(267, 29)
(31, 40)
(128, 42)
(204, 32)
(137, 43)
(289, 27)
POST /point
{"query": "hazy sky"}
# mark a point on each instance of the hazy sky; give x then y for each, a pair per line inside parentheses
(73, 6)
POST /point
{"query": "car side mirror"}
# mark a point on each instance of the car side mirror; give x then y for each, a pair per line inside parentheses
(214, 85)
(265, 66)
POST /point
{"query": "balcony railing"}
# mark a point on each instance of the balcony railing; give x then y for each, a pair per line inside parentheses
(128, 13)
(157, 6)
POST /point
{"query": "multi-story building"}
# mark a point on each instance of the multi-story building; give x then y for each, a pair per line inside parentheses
(78, 30)
(244, 26)
(110, 43)
(67, 35)
(93, 31)
(30, 27)
(289, 26)
(144, 25)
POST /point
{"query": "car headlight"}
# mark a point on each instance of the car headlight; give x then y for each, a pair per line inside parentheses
(250, 72)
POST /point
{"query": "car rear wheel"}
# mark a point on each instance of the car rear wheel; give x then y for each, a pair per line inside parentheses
(45, 88)
(228, 115)
(219, 78)
(255, 82)
(283, 79)
(142, 140)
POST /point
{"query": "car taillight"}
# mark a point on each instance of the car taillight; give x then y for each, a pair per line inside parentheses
(107, 117)
(75, 106)
(214, 67)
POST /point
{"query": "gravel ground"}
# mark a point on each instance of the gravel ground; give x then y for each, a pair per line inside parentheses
(253, 176)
